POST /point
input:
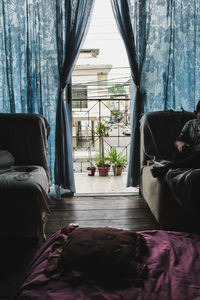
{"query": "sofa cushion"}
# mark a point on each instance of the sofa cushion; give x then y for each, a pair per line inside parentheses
(6, 160)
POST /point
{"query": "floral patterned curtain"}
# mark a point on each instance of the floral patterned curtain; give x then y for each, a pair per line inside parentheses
(166, 39)
(171, 68)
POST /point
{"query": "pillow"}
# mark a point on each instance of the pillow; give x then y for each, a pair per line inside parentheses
(6, 159)
(106, 255)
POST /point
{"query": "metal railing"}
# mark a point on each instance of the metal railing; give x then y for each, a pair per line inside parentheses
(115, 112)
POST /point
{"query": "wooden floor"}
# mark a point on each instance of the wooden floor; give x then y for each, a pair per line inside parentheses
(127, 212)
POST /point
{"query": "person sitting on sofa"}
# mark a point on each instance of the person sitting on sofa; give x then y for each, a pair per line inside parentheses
(187, 147)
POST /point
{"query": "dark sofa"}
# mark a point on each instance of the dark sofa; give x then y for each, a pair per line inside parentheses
(24, 186)
(158, 132)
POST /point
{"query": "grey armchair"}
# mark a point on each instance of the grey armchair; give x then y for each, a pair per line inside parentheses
(24, 184)
(158, 132)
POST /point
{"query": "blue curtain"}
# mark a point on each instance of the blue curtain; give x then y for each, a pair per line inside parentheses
(29, 77)
(35, 63)
(75, 22)
(121, 10)
(165, 41)
(171, 67)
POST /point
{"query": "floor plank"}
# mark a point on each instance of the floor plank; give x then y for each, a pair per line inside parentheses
(102, 214)
(126, 212)
(100, 203)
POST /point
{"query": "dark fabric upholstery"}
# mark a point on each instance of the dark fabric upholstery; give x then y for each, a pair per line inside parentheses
(24, 189)
(161, 128)
(6, 159)
(19, 134)
(158, 133)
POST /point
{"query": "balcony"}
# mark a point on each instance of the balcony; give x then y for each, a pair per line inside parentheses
(85, 116)
(103, 185)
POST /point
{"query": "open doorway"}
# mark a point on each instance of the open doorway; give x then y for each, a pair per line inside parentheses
(101, 95)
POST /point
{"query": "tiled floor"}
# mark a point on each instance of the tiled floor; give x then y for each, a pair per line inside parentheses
(102, 185)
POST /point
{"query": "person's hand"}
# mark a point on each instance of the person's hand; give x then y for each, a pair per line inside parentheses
(181, 145)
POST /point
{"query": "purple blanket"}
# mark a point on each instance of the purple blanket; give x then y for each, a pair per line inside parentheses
(173, 261)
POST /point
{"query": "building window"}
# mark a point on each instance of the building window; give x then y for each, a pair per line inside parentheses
(79, 97)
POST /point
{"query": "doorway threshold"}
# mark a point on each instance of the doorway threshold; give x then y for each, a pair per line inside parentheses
(106, 194)
(102, 185)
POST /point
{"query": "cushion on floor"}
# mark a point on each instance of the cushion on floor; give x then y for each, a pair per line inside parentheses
(97, 254)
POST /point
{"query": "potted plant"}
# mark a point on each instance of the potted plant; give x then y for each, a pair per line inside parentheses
(91, 169)
(102, 130)
(102, 164)
(117, 160)
(117, 115)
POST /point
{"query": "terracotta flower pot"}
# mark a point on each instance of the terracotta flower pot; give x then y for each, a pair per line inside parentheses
(103, 171)
(117, 170)
(91, 171)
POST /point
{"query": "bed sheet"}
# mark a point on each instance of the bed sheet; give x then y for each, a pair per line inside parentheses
(173, 260)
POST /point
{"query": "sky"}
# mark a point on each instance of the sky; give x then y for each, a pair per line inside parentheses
(104, 35)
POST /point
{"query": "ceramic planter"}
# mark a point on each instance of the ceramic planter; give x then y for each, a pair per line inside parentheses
(117, 170)
(91, 171)
(103, 171)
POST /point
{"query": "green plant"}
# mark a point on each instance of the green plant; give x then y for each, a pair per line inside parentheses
(117, 114)
(101, 161)
(102, 130)
(91, 169)
(117, 89)
(117, 159)
(90, 161)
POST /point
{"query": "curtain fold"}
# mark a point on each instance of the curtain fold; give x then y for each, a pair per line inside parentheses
(74, 26)
(121, 10)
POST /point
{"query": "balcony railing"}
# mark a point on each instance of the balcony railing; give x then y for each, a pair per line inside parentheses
(115, 111)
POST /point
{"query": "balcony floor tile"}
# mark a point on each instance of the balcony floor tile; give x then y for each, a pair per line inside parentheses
(102, 185)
